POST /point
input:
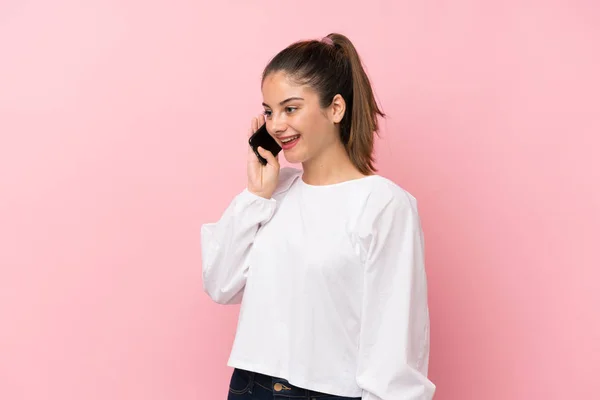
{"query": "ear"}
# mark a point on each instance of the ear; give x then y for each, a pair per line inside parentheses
(338, 108)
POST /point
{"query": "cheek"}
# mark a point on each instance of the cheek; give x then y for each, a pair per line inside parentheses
(315, 128)
(313, 123)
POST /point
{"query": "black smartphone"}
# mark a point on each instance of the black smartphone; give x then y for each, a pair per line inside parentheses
(261, 138)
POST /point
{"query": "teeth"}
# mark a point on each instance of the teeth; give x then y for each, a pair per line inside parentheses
(289, 139)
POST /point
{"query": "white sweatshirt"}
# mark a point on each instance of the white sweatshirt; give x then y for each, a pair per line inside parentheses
(332, 286)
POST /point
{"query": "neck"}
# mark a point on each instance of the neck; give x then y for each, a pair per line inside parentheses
(331, 166)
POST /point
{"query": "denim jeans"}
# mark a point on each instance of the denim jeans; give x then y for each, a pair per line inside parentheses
(246, 385)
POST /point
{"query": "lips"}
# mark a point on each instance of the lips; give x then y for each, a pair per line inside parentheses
(289, 141)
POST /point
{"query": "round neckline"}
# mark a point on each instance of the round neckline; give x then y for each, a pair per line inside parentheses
(337, 184)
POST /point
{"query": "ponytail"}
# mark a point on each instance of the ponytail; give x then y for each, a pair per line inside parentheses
(365, 111)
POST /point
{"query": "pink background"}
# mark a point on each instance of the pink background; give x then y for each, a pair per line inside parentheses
(123, 128)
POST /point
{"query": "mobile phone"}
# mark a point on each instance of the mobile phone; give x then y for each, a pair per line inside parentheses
(261, 138)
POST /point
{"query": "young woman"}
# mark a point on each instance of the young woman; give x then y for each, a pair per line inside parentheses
(327, 262)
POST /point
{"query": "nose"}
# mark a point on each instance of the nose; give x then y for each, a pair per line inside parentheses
(278, 125)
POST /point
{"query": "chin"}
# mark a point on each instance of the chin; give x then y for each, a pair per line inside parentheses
(293, 160)
(294, 157)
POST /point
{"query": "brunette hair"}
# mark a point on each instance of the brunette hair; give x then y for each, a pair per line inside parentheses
(332, 66)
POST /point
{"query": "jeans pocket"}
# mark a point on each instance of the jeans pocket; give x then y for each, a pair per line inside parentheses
(240, 382)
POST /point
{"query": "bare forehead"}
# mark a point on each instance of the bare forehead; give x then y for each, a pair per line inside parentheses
(279, 86)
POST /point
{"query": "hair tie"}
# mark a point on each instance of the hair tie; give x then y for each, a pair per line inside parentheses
(327, 40)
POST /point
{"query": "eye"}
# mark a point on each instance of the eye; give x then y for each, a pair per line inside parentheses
(267, 113)
(290, 109)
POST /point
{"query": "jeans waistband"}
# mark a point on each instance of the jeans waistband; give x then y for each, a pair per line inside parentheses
(283, 387)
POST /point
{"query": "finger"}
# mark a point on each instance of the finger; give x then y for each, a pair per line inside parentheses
(271, 159)
(253, 126)
(259, 121)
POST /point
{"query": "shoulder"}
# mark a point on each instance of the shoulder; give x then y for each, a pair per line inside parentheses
(386, 214)
(385, 206)
(383, 195)
(287, 177)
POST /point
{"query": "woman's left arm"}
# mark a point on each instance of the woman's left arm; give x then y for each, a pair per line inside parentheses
(394, 344)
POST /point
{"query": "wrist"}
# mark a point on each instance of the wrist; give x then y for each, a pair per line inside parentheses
(263, 194)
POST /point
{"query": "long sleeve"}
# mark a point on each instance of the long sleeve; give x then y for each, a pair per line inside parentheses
(225, 246)
(394, 343)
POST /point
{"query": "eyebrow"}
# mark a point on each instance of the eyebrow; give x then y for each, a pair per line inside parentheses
(285, 101)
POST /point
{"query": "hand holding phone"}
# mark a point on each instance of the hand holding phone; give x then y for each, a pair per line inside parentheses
(263, 166)
(262, 138)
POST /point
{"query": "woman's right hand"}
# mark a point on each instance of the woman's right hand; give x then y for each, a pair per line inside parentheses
(262, 179)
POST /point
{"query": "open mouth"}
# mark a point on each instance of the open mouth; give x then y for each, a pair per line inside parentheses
(289, 142)
(290, 139)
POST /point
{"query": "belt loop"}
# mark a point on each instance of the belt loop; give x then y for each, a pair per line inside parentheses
(252, 376)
